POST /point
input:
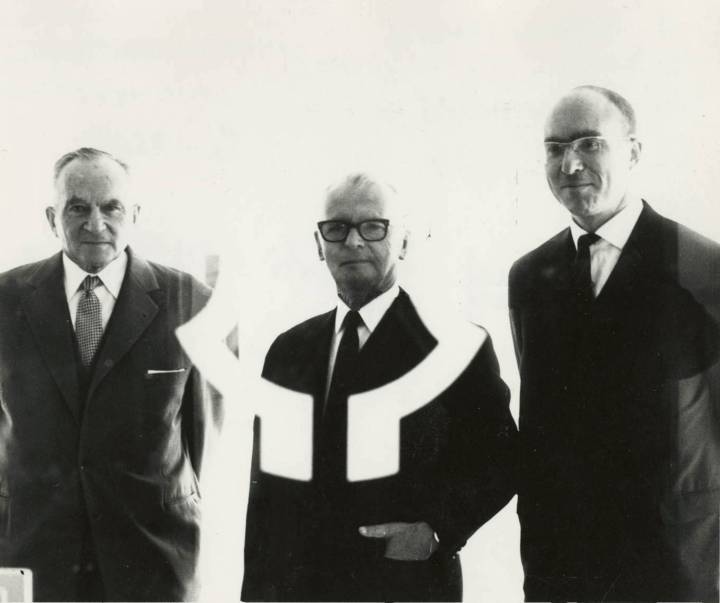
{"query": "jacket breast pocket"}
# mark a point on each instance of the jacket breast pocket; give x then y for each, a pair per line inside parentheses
(163, 386)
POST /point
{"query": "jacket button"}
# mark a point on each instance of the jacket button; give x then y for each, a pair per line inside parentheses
(75, 569)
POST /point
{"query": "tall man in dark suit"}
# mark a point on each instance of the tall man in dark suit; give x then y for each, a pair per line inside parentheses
(102, 415)
(616, 330)
(394, 538)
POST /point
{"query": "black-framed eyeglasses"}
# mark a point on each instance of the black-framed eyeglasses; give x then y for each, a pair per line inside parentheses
(336, 231)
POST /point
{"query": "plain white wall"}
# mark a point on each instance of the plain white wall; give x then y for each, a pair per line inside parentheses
(234, 116)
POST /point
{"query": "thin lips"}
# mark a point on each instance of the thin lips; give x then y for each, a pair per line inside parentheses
(353, 262)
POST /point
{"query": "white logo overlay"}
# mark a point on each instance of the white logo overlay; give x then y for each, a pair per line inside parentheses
(287, 418)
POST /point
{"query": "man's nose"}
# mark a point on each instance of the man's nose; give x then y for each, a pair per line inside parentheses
(571, 162)
(354, 239)
(95, 221)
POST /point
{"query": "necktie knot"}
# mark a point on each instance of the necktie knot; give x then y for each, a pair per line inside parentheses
(90, 282)
(352, 320)
(585, 241)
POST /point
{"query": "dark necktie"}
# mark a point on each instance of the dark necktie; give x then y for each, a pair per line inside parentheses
(333, 430)
(581, 270)
(88, 320)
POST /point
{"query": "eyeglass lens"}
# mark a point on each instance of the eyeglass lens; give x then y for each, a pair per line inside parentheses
(335, 230)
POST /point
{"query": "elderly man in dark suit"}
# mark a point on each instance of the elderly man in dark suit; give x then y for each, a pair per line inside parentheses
(103, 417)
(616, 329)
(394, 538)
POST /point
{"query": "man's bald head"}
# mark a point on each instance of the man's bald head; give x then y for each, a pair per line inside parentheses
(362, 186)
(618, 101)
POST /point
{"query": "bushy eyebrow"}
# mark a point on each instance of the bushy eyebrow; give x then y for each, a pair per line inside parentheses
(76, 199)
(576, 135)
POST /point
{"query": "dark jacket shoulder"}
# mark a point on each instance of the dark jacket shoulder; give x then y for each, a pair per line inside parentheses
(18, 277)
(296, 357)
(539, 265)
(180, 288)
(305, 332)
(690, 258)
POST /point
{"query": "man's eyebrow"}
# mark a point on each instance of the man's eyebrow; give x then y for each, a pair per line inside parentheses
(76, 199)
(575, 136)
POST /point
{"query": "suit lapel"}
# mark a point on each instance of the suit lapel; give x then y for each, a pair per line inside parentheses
(636, 260)
(317, 369)
(561, 265)
(134, 310)
(46, 308)
(399, 343)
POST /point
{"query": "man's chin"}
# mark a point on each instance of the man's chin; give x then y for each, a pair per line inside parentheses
(579, 204)
(357, 284)
(94, 262)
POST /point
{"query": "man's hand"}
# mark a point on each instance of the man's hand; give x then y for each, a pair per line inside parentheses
(404, 541)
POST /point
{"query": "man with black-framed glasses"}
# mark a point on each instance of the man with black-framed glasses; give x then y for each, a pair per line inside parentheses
(615, 321)
(395, 538)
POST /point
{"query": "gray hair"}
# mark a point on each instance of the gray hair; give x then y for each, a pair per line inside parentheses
(87, 154)
(356, 182)
(361, 182)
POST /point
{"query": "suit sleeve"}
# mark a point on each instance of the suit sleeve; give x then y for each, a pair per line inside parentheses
(203, 411)
(255, 580)
(515, 323)
(479, 469)
(204, 407)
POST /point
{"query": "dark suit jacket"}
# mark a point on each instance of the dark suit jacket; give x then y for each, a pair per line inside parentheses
(456, 472)
(619, 428)
(121, 459)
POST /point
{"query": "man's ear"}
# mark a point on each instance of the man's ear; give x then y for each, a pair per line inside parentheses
(321, 255)
(404, 246)
(635, 152)
(50, 216)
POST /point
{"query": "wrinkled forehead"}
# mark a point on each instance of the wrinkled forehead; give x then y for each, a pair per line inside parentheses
(584, 113)
(92, 179)
(350, 203)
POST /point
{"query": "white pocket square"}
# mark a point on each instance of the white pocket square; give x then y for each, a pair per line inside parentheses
(164, 371)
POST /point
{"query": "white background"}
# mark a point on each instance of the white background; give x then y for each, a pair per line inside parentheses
(234, 117)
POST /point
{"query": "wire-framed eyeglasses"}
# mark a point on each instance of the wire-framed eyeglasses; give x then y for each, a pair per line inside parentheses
(586, 146)
(337, 231)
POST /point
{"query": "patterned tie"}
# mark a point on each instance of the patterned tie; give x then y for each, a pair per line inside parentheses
(582, 273)
(332, 452)
(88, 320)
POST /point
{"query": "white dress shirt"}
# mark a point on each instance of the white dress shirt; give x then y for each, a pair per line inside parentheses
(605, 253)
(371, 314)
(111, 276)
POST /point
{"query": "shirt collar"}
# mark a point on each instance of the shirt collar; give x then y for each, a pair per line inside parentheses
(372, 312)
(111, 276)
(617, 229)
